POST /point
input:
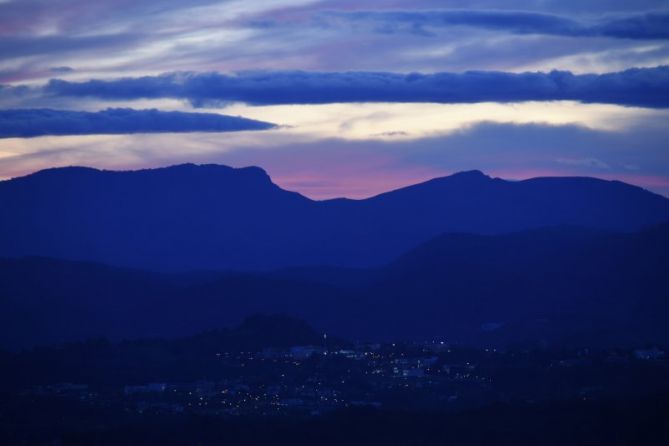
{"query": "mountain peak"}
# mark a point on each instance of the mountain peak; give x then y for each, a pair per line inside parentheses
(470, 174)
(218, 169)
(253, 173)
(465, 176)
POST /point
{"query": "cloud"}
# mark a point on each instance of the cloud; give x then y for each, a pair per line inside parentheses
(110, 38)
(40, 122)
(331, 167)
(643, 87)
(75, 16)
(651, 25)
(585, 162)
(22, 47)
(409, 121)
(13, 92)
(61, 70)
(647, 25)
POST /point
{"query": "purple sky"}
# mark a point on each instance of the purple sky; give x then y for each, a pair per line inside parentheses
(365, 96)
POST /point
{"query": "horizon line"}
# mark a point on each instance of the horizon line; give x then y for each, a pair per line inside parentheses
(277, 183)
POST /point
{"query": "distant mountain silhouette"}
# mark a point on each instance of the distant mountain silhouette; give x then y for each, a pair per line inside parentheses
(558, 285)
(52, 301)
(215, 217)
(554, 284)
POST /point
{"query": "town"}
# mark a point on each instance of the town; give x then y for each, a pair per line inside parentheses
(312, 380)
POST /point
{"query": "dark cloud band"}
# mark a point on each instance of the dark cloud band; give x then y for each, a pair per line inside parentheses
(647, 25)
(40, 122)
(648, 87)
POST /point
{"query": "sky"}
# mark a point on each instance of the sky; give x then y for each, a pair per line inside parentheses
(339, 98)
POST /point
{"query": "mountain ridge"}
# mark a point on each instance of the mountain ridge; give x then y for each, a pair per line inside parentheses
(464, 174)
(556, 285)
(210, 216)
